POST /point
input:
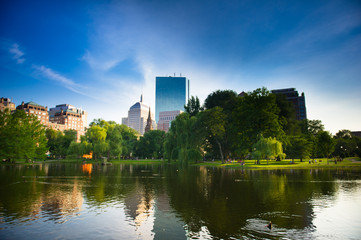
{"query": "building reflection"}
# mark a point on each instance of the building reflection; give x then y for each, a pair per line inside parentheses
(139, 207)
(56, 203)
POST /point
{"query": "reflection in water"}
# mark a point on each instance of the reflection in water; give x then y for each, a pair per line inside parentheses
(58, 204)
(140, 209)
(87, 168)
(172, 202)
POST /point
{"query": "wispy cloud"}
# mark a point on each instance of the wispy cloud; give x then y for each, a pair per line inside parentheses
(99, 64)
(64, 81)
(17, 54)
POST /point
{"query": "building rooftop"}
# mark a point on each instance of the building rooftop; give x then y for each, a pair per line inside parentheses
(33, 103)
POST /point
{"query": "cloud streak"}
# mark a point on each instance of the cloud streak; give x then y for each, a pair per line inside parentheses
(17, 54)
(51, 74)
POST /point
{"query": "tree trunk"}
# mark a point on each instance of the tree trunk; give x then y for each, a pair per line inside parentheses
(220, 151)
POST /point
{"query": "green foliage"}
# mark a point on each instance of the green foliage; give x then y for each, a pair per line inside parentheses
(193, 106)
(267, 148)
(22, 136)
(299, 147)
(326, 143)
(59, 142)
(151, 144)
(184, 139)
(228, 101)
(258, 114)
(213, 123)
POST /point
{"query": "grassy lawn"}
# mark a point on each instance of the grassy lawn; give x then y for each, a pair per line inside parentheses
(354, 162)
(272, 164)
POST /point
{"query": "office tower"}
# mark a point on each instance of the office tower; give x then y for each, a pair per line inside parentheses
(137, 117)
(165, 119)
(298, 101)
(171, 94)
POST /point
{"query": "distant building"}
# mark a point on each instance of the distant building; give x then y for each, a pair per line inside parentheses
(149, 125)
(242, 94)
(6, 103)
(356, 134)
(298, 101)
(165, 119)
(39, 111)
(137, 117)
(171, 94)
(70, 108)
(67, 117)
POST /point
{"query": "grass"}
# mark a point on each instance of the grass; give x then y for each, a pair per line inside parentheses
(354, 162)
(287, 164)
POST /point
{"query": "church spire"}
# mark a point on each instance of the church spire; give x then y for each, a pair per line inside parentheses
(149, 126)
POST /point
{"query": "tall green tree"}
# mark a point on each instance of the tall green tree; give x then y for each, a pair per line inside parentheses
(193, 107)
(299, 147)
(227, 100)
(151, 144)
(258, 114)
(97, 135)
(213, 123)
(22, 136)
(325, 143)
(185, 139)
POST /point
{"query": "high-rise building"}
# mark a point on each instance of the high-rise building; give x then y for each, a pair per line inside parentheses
(171, 94)
(6, 103)
(165, 119)
(137, 117)
(298, 101)
(39, 111)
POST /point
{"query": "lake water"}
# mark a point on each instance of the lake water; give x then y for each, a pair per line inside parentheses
(85, 201)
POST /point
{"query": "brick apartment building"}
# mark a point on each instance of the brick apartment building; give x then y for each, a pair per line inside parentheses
(62, 117)
(35, 109)
(6, 103)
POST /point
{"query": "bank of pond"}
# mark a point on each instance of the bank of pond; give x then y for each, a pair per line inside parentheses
(245, 164)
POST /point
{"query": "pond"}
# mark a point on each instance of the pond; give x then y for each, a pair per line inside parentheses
(160, 201)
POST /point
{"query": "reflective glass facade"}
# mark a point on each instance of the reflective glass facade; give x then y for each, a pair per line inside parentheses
(171, 94)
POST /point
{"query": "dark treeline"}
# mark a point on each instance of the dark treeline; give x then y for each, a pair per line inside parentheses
(257, 125)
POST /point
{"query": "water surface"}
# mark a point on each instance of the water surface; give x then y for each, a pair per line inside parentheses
(77, 201)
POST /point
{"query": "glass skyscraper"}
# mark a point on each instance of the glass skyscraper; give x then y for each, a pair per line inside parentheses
(171, 94)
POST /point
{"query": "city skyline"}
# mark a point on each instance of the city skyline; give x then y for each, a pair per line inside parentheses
(100, 55)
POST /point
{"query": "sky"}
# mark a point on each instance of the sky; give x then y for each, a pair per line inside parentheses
(102, 55)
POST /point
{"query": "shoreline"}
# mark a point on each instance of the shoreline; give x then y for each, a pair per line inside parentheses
(354, 162)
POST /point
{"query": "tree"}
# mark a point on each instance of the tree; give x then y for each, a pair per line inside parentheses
(257, 114)
(184, 138)
(299, 147)
(22, 136)
(311, 126)
(325, 143)
(97, 135)
(213, 124)
(267, 148)
(227, 100)
(114, 139)
(151, 144)
(129, 137)
(193, 106)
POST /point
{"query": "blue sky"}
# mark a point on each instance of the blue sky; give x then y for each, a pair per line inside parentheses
(101, 55)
